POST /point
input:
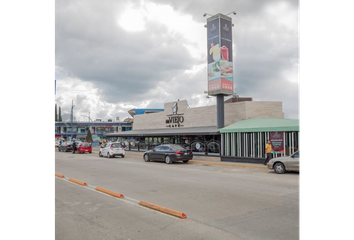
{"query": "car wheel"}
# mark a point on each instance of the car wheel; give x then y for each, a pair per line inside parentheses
(100, 154)
(185, 161)
(168, 160)
(123, 156)
(146, 158)
(279, 168)
(90, 152)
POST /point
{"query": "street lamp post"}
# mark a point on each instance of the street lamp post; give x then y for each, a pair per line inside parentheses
(207, 14)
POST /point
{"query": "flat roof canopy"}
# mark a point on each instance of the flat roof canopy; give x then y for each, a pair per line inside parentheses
(213, 130)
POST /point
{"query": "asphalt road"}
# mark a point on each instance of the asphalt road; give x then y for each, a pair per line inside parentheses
(221, 202)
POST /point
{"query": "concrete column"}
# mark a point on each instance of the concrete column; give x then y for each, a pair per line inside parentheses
(220, 111)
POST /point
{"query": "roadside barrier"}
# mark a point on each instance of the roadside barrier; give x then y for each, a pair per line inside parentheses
(119, 195)
(59, 175)
(77, 181)
(163, 209)
(114, 194)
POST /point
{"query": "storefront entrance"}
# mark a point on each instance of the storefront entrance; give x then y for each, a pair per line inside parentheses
(199, 144)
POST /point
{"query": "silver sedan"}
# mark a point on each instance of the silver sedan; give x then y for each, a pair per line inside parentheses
(283, 164)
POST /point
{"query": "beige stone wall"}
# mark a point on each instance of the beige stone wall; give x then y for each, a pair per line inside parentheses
(264, 110)
(206, 116)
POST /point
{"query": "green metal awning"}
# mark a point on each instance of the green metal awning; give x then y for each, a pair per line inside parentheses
(263, 125)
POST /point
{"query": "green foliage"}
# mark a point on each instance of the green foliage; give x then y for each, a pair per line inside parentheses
(55, 113)
(88, 137)
(59, 117)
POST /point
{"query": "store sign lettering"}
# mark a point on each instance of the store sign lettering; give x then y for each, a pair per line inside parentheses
(175, 119)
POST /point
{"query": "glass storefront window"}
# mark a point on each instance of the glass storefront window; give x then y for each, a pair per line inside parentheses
(104, 129)
(81, 130)
(68, 129)
(213, 147)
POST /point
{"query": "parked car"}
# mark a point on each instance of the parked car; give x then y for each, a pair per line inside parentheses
(112, 149)
(65, 147)
(168, 153)
(283, 164)
(84, 147)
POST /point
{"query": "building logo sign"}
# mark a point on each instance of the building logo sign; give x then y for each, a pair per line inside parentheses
(175, 108)
(175, 119)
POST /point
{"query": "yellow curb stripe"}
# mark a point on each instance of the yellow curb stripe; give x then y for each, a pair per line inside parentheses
(227, 164)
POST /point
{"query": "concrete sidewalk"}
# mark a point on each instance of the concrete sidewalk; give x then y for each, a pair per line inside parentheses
(199, 159)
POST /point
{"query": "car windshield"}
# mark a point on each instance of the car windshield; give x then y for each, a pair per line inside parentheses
(297, 154)
(85, 144)
(116, 145)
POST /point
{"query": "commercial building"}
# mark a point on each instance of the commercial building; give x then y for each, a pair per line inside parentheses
(244, 141)
(196, 129)
(98, 129)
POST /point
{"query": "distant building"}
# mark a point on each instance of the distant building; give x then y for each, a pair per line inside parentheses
(136, 111)
(80, 129)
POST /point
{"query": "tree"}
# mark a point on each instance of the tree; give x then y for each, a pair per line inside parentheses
(56, 115)
(88, 137)
(60, 119)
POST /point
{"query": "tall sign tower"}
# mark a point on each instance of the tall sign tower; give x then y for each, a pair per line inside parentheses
(220, 64)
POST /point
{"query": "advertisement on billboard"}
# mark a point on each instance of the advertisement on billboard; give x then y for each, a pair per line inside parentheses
(220, 65)
(277, 141)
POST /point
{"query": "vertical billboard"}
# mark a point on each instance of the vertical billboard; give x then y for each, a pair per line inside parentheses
(220, 64)
(277, 141)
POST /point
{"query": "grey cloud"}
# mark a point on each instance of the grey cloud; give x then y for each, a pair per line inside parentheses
(118, 62)
(197, 8)
(125, 66)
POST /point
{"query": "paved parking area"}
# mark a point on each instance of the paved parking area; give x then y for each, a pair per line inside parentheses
(221, 202)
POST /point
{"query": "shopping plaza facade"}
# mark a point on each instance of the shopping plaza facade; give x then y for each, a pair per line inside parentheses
(248, 125)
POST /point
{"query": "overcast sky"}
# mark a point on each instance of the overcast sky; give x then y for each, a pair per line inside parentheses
(112, 56)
